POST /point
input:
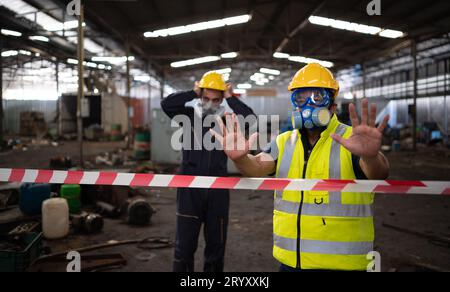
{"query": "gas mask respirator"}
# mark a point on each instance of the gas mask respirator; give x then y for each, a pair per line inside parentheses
(311, 108)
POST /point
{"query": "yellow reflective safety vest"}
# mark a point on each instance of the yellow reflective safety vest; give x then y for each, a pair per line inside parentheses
(319, 229)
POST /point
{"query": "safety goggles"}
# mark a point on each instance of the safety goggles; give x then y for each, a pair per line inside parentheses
(314, 96)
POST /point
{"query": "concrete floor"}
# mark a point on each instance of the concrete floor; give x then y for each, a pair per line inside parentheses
(250, 234)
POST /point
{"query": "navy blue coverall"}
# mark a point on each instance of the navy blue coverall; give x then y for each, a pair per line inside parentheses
(197, 206)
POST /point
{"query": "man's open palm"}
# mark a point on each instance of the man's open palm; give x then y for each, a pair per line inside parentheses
(366, 138)
(233, 141)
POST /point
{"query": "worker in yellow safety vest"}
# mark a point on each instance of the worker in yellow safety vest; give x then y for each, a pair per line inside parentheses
(318, 230)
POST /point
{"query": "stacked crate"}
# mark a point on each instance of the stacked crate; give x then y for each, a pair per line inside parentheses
(32, 123)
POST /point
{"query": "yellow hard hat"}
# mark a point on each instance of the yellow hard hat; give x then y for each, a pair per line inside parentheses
(314, 75)
(213, 80)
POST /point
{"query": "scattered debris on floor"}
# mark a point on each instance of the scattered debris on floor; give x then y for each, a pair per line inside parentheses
(19, 247)
(88, 206)
(95, 133)
(89, 223)
(91, 263)
(139, 211)
(61, 163)
(58, 262)
(108, 210)
(9, 196)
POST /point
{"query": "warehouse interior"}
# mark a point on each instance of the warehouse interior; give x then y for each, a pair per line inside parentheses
(83, 91)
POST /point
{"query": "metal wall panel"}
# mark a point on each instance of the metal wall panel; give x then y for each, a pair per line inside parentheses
(13, 108)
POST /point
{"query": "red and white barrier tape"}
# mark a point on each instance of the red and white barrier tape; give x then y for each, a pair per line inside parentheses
(187, 181)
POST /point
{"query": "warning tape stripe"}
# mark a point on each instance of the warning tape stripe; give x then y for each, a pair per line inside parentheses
(189, 181)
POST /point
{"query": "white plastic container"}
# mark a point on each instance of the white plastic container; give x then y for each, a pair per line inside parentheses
(55, 218)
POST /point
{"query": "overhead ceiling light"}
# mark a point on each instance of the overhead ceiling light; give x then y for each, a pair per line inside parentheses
(270, 71)
(11, 33)
(271, 77)
(356, 27)
(257, 77)
(91, 64)
(6, 54)
(39, 38)
(13, 53)
(195, 61)
(244, 86)
(198, 26)
(71, 35)
(59, 26)
(72, 61)
(72, 24)
(237, 19)
(230, 55)
(240, 91)
(87, 64)
(305, 60)
(224, 71)
(393, 34)
(206, 60)
(113, 60)
(26, 53)
(279, 55)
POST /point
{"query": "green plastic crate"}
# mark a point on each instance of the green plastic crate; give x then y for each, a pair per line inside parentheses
(19, 261)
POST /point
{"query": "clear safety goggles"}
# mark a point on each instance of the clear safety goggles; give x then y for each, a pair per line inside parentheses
(314, 96)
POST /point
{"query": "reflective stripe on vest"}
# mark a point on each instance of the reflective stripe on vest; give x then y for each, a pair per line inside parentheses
(324, 247)
(335, 165)
(289, 207)
(285, 163)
